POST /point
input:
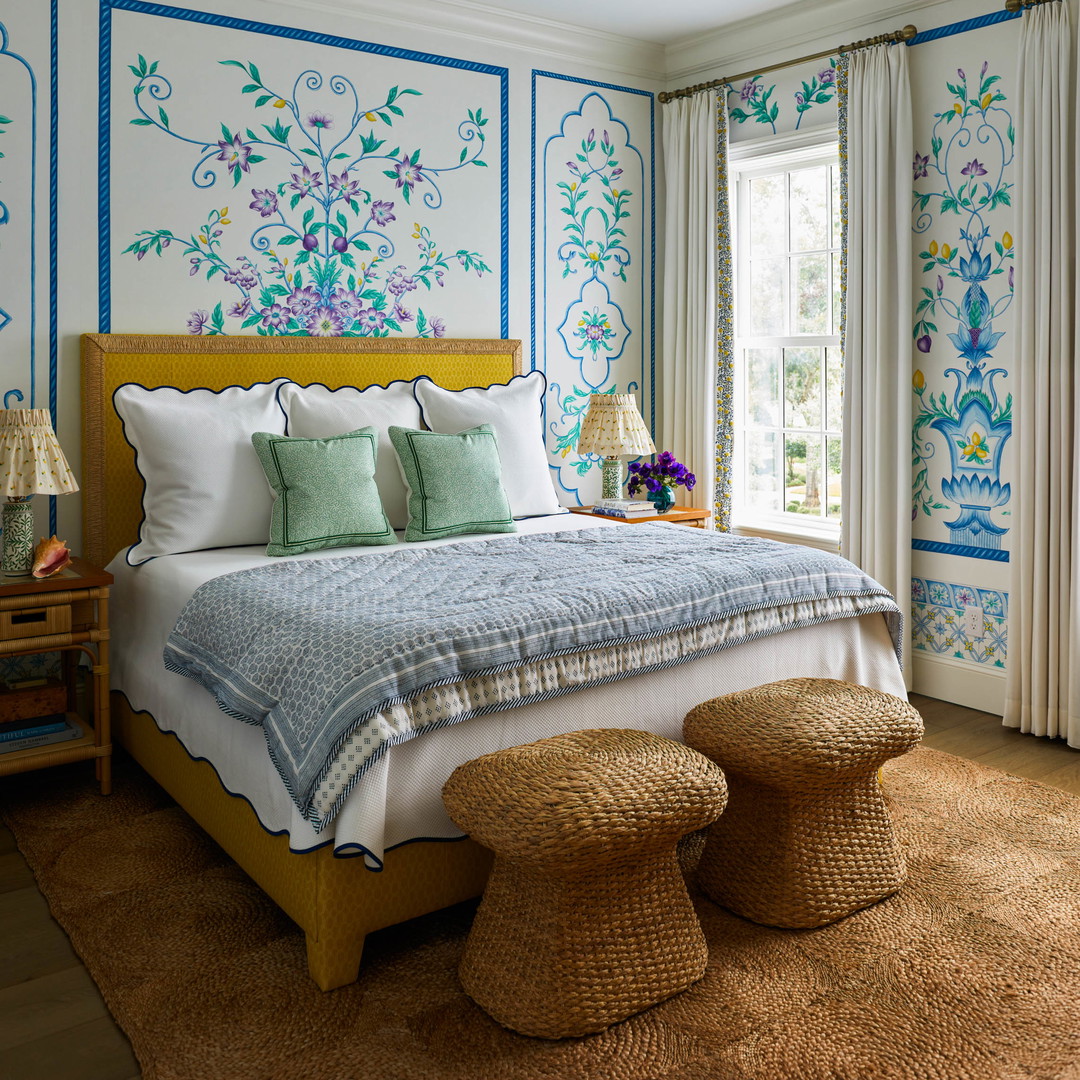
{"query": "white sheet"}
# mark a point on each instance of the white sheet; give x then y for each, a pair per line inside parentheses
(399, 799)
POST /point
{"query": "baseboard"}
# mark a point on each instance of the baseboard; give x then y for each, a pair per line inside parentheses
(951, 680)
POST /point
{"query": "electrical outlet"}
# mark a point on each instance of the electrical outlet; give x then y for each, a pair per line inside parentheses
(973, 622)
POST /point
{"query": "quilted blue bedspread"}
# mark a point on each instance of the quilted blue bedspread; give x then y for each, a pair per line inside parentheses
(325, 654)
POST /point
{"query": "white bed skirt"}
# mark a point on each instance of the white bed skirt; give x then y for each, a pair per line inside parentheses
(399, 799)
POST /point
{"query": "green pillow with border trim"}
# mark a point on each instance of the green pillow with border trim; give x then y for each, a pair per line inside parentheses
(325, 491)
(454, 482)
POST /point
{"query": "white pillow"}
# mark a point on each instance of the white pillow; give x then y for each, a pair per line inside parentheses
(514, 410)
(205, 487)
(317, 412)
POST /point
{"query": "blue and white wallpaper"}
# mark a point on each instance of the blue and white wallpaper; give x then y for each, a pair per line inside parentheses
(267, 180)
(593, 254)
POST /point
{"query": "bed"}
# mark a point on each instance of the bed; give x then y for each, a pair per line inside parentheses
(390, 853)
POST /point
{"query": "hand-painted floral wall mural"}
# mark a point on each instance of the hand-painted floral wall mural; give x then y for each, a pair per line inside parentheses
(292, 183)
(961, 204)
(594, 329)
(320, 256)
(756, 109)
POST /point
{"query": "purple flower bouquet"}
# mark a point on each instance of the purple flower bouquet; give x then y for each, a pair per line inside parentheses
(659, 478)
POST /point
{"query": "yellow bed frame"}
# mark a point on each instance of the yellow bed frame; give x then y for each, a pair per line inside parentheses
(336, 902)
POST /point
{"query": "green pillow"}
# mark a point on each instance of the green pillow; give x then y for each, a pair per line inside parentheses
(326, 493)
(454, 482)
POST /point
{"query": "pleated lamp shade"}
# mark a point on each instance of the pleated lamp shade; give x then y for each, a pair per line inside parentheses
(614, 429)
(31, 461)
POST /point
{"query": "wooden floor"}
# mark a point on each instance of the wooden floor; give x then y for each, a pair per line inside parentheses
(54, 1025)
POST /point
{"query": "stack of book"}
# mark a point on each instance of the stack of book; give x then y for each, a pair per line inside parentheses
(624, 508)
(39, 731)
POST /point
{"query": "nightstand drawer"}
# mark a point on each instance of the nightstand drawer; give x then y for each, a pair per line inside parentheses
(35, 622)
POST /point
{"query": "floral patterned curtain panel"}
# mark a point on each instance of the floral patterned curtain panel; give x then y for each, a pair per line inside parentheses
(696, 397)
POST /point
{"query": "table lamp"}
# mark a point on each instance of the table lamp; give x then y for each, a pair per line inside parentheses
(32, 463)
(614, 429)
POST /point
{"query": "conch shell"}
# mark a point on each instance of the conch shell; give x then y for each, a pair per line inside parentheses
(50, 557)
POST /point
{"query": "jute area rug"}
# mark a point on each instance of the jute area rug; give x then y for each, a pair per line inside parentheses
(971, 972)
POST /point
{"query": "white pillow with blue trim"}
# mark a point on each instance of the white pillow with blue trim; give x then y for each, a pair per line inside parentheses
(514, 410)
(204, 487)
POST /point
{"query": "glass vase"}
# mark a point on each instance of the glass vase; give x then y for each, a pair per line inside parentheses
(663, 500)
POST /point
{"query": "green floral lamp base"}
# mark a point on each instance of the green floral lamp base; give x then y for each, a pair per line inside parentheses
(612, 478)
(17, 559)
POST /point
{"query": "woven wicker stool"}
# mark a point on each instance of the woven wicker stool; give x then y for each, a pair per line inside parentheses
(585, 919)
(806, 837)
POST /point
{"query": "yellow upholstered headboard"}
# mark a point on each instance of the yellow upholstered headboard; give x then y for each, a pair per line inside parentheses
(112, 487)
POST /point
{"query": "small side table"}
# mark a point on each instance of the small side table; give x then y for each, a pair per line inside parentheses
(684, 515)
(66, 613)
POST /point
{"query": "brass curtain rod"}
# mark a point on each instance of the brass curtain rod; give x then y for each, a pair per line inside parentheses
(906, 34)
(1017, 5)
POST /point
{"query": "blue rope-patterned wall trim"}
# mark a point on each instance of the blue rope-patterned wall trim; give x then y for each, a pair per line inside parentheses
(963, 27)
(54, 130)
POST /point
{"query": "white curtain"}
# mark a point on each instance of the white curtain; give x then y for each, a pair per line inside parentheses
(876, 137)
(1043, 668)
(695, 148)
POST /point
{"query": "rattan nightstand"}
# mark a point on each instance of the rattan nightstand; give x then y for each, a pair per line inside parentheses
(67, 613)
(684, 515)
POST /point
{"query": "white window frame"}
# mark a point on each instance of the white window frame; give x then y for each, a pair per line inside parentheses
(746, 160)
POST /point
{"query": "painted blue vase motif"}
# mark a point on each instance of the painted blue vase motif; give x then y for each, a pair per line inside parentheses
(970, 151)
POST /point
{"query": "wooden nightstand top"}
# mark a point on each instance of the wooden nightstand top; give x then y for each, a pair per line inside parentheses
(686, 515)
(79, 575)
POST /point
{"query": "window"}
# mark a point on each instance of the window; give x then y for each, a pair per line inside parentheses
(786, 227)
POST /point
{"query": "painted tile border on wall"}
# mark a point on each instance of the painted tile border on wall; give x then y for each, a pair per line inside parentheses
(937, 622)
(104, 126)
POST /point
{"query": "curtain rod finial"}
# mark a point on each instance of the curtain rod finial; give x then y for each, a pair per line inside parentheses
(1013, 5)
(909, 31)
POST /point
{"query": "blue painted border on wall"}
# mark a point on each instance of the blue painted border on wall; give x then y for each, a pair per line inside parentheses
(967, 552)
(963, 27)
(143, 7)
(652, 222)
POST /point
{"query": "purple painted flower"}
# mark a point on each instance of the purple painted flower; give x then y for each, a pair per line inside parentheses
(306, 182)
(408, 173)
(234, 154)
(973, 168)
(303, 301)
(1011, 270)
(347, 303)
(275, 317)
(573, 168)
(346, 188)
(800, 98)
(320, 121)
(241, 308)
(380, 212)
(241, 276)
(371, 319)
(923, 344)
(616, 173)
(960, 72)
(197, 321)
(920, 165)
(749, 90)
(399, 283)
(940, 284)
(194, 267)
(325, 323)
(403, 314)
(438, 327)
(827, 76)
(264, 201)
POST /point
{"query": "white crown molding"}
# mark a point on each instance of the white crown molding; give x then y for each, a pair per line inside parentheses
(569, 45)
(798, 29)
